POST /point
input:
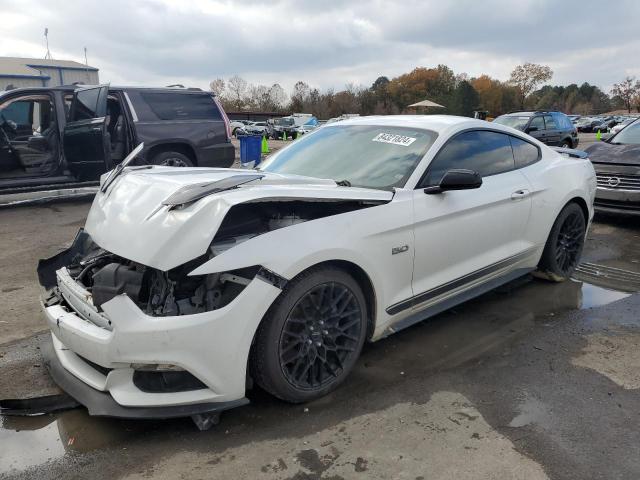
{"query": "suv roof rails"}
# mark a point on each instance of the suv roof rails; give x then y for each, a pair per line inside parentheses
(533, 111)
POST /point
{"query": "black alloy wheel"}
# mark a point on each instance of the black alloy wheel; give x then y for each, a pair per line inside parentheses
(322, 330)
(310, 338)
(564, 245)
(569, 242)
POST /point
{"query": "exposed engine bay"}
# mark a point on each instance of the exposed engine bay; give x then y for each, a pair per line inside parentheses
(174, 292)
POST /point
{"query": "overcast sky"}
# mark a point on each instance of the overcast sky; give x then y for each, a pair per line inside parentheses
(327, 44)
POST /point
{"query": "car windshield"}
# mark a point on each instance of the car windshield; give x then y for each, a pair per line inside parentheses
(517, 122)
(370, 156)
(628, 136)
(285, 122)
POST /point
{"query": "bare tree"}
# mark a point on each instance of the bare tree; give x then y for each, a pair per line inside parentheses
(627, 90)
(299, 96)
(277, 97)
(527, 77)
(237, 87)
(217, 86)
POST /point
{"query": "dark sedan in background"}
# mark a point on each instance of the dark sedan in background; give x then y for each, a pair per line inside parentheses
(617, 165)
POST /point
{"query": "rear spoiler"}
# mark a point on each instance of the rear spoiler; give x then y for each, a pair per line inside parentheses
(570, 152)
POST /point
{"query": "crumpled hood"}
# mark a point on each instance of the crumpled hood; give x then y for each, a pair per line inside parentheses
(603, 152)
(130, 220)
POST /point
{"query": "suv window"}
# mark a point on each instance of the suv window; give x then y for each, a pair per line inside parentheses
(182, 106)
(551, 123)
(537, 122)
(485, 152)
(86, 106)
(18, 112)
(524, 153)
(68, 100)
(32, 115)
(562, 121)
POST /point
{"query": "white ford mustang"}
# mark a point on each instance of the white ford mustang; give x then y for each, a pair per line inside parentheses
(185, 283)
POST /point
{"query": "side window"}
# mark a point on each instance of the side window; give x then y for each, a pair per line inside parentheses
(67, 105)
(566, 122)
(18, 112)
(523, 152)
(182, 106)
(30, 115)
(551, 123)
(86, 105)
(537, 122)
(487, 153)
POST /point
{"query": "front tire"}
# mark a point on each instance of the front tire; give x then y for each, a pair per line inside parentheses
(564, 246)
(311, 336)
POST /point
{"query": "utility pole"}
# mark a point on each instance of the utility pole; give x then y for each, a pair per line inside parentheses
(46, 38)
(86, 64)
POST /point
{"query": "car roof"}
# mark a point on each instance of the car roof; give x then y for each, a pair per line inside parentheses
(436, 123)
(71, 88)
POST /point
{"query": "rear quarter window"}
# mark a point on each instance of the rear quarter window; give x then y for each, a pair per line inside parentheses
(563, 121)
(181, 106)
(524, 153)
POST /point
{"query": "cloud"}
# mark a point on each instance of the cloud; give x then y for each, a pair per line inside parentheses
(327, 44)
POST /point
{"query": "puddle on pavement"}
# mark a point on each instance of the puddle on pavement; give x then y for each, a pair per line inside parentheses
(452, 338)
(531, 411)
(594, 296)
(35, 440)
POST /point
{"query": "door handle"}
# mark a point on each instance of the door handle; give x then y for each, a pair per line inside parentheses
(520, 194)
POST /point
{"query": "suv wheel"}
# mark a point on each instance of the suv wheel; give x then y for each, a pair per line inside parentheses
(567, 144)
(172, 159)
(311, 336)
(564, 245)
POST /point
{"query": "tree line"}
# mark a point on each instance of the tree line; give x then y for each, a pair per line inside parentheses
(460, 94)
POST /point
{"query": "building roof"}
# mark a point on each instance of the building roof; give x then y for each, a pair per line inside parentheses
(427, 103)
(28, 67)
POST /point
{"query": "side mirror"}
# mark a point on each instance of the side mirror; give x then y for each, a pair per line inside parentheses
(456, 179)
(531, 129)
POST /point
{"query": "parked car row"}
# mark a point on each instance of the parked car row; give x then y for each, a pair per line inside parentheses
(603, 124)
(292, 126)
(65, 134)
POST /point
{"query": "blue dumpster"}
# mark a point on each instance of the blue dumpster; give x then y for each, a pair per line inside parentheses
(250, 149)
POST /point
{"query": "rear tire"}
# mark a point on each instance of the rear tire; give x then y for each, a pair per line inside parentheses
(311, 336)
(172, 159)
(564, 246)
(567, 144)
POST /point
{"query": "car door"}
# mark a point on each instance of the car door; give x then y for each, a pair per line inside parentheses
(463, 238)
(552, 130)
(537, 129)
(30, 143)
(86, 141)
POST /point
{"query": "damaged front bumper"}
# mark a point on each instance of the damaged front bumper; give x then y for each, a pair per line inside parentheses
(113, 359)
(102, 404)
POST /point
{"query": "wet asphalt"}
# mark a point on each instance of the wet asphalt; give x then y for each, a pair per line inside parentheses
(543, 377)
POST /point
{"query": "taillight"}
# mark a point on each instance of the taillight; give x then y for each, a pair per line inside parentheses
(227, 124)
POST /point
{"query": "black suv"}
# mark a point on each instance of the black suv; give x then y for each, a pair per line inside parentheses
(69, 133)
(552, 128)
